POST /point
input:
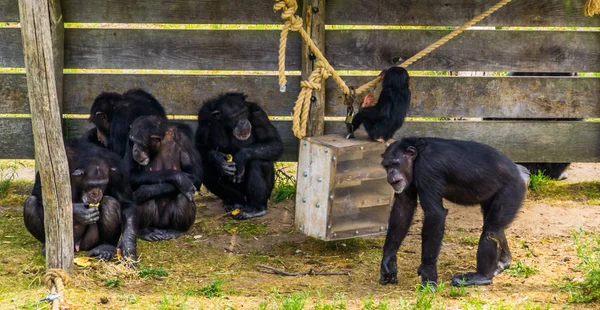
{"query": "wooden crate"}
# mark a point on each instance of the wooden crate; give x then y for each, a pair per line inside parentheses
(342, 190)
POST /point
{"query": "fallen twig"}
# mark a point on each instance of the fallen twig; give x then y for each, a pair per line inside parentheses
(311, 272)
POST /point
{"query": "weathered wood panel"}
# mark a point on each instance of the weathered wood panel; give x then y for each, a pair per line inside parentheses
(18, 139)
(540, 51)
(559, 141)
(339, 12)
(457, 12)
(9, 10)
(508, 97)
(533, 51)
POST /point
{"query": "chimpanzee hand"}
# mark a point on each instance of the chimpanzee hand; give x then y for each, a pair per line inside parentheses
(128, 248)
(184, 183)
(85, 215)
(239, 159)
(389, 270)
(219, 160)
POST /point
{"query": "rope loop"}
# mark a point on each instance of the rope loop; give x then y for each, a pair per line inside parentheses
(56, 279)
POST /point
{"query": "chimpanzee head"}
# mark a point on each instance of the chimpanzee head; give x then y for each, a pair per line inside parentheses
(90, 179)
(398, 161)
(101, 114)
(232, 112)
(397, 78)
(145, 135)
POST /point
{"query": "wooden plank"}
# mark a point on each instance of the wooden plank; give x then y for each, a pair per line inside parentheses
(488, 50)
(11, 48)
(172, 11)
(178, 49)
(560, 141)
(455, 13)
(18, 139)
(517, 97)
(313, 14)
(39, 31)
(9, 11)
(527, 97)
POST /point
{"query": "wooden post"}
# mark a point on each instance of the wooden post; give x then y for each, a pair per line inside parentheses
(313, 14)
(41, 30)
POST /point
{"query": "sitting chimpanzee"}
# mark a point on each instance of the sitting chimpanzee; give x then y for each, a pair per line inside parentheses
(103, 210)
(383, 119)
(464, 172)
(113, 114)
(164, 171)
(230, 125)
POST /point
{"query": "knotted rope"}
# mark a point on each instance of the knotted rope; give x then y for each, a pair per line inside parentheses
(294, 23)
(591, 7)
(302, 107)
(55, 280)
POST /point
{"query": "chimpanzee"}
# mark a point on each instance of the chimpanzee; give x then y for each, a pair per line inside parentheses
(164, 171)
(113, 114)
(231, 125)
(382, 120)
(463, 172)
(553, 170)
(103, 210)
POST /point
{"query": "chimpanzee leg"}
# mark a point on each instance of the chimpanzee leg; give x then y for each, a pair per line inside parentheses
(177, 217)
(109, 229)
(432, 233)
(33, 215)
(148, 218)
(401, 217)
(259, 183)
(505, 257)
(503, 209)
(225, 189)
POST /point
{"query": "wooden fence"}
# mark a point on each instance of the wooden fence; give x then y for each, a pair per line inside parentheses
(361, 48)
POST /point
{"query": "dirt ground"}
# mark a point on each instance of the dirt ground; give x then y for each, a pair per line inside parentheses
(219, 249)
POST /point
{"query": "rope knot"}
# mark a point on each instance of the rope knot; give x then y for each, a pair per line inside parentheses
(57, 278)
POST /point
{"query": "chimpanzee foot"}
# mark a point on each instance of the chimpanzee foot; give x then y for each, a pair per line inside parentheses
(156, 234)
(502, 265)
(471, 278)
(350, 136)
(390, 278)
(232, 206)
(103, 251)
(248, 213)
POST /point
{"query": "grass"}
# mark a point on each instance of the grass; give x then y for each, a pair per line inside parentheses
(469, 240)
(211, 290)
(245, 229)
(285, 186)
(539, 182)
(113, 283)
(521, 270)
(150, 272)
(586, 290)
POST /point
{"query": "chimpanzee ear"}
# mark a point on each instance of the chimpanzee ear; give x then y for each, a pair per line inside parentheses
(78, 172)
(101, 118)
(411, 151)
(216, 114)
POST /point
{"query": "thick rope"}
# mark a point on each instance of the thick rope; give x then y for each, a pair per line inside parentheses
(55, 280)
(302, 106)
(591, 8)
(294, 23)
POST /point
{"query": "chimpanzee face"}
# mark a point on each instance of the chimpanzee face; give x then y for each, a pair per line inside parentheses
(145, 144)
(399, 166)
(91, 180)
(233, 114)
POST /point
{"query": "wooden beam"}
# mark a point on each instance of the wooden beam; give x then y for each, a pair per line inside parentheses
(37, 27)
(313, 14)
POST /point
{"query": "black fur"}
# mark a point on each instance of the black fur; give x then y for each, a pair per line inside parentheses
(246, 182)
(387, 116)
(463, 172)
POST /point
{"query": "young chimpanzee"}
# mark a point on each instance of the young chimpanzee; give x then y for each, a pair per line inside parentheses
(113, 114)
(103, 210)
(463, 172)
(230, 125)
(164, 171)
(383, 119)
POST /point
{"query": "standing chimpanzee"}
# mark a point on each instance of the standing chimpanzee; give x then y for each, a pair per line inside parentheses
(113, 114)
(230, 125)
(164, 171)
(464, 172)
(382, 120)
(103, 210)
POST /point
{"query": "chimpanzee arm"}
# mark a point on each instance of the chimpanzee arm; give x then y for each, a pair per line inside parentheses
(268, 144)
(401, 217)
(33, 211)
(433, 230)
(121, 190)
(119, 131)
(191, 162)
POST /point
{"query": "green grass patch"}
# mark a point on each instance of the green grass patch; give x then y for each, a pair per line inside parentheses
(211, 290)
(113, 283)
(587, 191)
(521, 270)
(469, 240)
(245, 229)
(539, 182)
(587, 290)
(150, 272)
(285, 186)
(338, 302)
